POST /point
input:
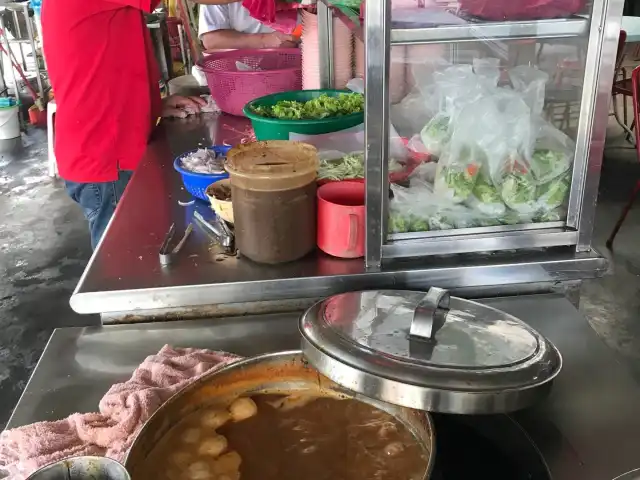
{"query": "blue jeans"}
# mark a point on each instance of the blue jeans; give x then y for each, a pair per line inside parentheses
(98, 201)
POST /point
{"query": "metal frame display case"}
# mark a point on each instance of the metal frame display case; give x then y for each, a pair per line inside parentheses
(595, 30)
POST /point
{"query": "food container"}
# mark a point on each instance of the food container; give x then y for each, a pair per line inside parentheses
(273, 187)
(404, 352)
(270, 71)
(82, 468)
(341, 224)
(278, 129)
(196, 183)
(222, 207)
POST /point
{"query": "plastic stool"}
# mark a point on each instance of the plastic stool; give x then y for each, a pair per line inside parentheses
(53, 164)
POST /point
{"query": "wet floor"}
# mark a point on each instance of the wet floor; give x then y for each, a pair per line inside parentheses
(44, 246)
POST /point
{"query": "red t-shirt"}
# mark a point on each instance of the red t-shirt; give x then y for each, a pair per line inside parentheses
(105, 78)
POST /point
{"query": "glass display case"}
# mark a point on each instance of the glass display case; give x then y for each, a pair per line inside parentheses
(498, 110)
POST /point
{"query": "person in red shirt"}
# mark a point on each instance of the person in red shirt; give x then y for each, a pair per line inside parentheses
(106, 81)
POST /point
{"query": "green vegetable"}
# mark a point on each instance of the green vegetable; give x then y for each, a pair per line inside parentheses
(456, 182)
(323, 106)
(553, 194)
(441, 221)
(397, 223)
(486, 192)
(547, 164)
(348, 167)
(486, 199)
(510, 218)
(555, 215)
(418, 224)
(518, 191)
(436, 135)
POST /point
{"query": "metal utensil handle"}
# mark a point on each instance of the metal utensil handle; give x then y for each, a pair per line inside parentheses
(430, 314)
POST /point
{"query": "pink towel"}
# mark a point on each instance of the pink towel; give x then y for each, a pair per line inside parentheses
(123, 411)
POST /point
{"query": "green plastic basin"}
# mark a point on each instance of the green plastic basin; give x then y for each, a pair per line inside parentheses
(279, 129)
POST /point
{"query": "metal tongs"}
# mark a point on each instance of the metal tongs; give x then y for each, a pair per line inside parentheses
(218, 228)
(166, 253)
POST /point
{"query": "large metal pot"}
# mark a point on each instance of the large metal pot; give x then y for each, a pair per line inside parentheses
(403, 352)
(280, 373)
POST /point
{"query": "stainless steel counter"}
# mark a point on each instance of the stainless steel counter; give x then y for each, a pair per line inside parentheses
(588, 428)
(124, 275)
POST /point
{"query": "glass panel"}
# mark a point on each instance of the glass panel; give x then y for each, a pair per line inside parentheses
(484, 113)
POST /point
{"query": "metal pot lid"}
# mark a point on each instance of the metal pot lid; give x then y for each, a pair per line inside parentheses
(429, 351)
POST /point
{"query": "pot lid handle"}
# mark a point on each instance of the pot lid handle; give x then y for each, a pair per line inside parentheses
(430, 314)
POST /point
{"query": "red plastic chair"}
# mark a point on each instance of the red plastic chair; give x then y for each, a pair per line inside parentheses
(621, 86)
(635, 93)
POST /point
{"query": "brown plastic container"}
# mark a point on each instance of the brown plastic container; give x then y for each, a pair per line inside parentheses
(273, 190)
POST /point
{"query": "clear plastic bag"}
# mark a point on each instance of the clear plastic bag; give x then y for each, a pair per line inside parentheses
(556, 215)
(348, 140)
(518, 188)
(486, 199)
(487, 70)
(553, 152)
(457, 172)
(553, 194)
(436, 134)
(409, 208)
(530, 83)
(417, 209)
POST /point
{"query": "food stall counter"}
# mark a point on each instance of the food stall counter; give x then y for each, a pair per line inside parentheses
(592, 404)
(125, 281)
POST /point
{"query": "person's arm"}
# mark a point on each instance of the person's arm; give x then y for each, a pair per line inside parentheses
(231, 39)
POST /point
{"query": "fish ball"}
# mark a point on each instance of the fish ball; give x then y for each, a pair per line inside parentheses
(213, 446)
(181, 459)
(199, 471)
(190, 435)
(214, 418)
(242, 408)
(229, 462)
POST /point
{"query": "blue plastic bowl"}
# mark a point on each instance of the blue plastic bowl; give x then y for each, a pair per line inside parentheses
(197, 183)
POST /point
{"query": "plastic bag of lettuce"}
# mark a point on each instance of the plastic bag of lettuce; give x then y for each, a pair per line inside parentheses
(409, 208)
(553, 152)
(417, 209)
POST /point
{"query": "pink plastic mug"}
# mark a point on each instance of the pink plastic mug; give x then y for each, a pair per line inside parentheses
(341, 229)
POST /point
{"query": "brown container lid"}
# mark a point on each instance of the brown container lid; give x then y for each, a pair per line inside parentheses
(272, 165)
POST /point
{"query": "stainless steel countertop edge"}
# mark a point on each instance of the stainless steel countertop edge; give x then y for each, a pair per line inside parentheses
(573, 267)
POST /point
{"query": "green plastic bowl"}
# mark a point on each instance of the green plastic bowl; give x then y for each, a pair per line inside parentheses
(279, 129)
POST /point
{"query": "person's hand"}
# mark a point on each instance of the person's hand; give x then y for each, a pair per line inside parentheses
(279, 40)
(178, 106)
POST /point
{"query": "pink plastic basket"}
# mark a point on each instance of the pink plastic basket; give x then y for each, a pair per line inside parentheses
(279, 71)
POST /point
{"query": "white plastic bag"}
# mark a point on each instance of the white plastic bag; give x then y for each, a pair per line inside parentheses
(348, 140)
(487, 70)
(530, 83)
(553, 194)
(518, 188)
(553, 152)
(409, 208)
(457, 172)
(486, 198)
(436, 134)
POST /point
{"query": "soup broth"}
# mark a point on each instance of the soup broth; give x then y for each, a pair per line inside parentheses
(269, 437)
